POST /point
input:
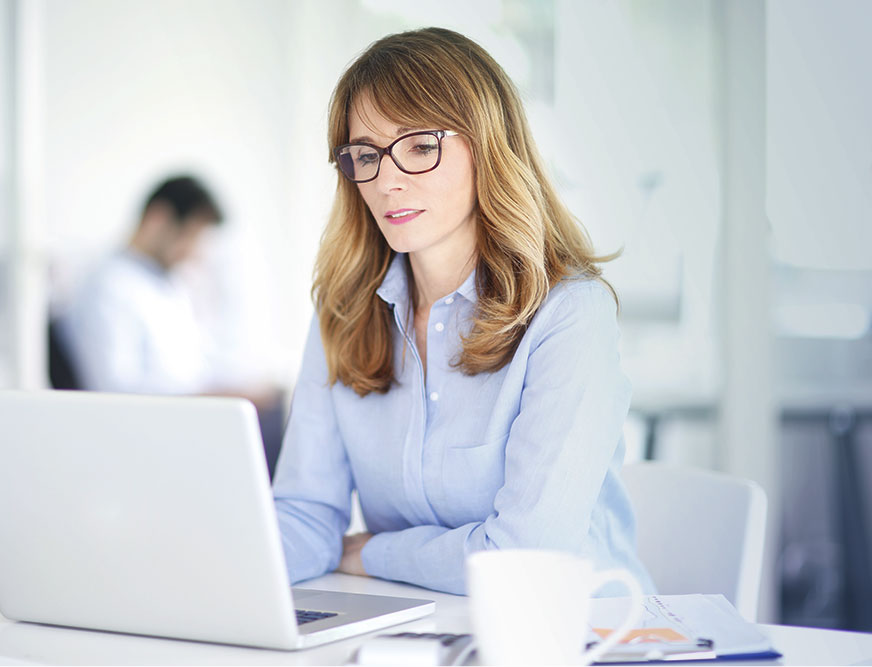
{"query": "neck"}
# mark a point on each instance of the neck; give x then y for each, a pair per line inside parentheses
(436, 277)
(147, 243)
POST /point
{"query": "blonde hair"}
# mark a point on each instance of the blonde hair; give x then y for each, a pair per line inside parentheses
(527, 240)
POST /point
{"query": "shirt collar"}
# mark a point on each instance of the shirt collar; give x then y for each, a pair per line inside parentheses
(149, 264)
(467, 289)
(394, 289)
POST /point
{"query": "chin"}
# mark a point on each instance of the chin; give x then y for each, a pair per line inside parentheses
(401, 242)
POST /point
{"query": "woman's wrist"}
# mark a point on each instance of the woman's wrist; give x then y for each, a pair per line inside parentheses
(352, 561)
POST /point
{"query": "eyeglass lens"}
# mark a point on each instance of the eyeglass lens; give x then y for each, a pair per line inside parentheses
(413, 154)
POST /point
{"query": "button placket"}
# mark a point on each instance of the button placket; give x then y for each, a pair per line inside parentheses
(442, 312)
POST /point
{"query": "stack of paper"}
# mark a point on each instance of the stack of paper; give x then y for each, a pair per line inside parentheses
(679, 627)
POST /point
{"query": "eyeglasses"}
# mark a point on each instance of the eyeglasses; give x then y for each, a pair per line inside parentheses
(414, 153)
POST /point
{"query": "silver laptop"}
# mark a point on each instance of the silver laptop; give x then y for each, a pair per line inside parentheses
(154, 516)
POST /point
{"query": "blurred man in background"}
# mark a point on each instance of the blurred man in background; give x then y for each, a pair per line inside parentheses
(132, 327)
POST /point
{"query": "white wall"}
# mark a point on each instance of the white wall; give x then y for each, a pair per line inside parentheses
(819, 143)
(22, 252)
(6, 184)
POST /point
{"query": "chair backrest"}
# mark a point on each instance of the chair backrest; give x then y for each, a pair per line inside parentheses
(61, 369)
(699, 531)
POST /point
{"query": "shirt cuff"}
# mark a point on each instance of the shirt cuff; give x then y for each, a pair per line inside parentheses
(377, 555)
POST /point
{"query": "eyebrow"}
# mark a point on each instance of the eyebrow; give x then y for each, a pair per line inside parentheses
(366, 139)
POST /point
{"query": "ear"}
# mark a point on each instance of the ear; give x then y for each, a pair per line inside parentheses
(157, 215)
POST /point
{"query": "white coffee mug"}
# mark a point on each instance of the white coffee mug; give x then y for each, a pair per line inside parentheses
(530, 607)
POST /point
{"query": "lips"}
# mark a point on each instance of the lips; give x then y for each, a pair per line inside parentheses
(402, 215)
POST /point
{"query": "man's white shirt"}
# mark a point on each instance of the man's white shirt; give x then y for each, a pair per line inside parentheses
(132, 328)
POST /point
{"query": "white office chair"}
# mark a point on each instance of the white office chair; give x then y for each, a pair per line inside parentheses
(699, 531)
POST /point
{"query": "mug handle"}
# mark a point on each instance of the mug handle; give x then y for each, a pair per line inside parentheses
(633, 616)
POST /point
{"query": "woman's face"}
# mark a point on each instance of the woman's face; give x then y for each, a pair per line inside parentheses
(431, 215)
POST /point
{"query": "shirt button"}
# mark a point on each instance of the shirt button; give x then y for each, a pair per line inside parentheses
(449, 300)
(439, 326)
(434, 396)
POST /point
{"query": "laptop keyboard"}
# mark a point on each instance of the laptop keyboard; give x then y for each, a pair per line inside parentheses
(304, 616)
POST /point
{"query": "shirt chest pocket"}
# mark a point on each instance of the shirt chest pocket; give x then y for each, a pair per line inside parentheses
(470, 477)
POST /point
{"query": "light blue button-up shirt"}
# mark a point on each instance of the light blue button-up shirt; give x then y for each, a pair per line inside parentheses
(446, 464)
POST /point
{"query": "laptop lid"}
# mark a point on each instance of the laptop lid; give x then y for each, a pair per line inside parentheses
(148, 515)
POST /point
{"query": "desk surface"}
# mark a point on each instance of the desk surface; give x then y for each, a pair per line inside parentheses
(24, 643)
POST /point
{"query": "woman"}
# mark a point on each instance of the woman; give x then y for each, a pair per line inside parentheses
(462, 369)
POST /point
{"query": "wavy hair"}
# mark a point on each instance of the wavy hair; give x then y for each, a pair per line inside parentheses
(527, 240)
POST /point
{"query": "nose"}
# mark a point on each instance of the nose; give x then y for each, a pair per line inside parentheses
(390, 176)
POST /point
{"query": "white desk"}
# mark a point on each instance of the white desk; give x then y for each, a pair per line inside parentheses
(23, 643)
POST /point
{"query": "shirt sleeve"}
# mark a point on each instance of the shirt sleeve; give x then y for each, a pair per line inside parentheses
(572, 409)
(312, 484)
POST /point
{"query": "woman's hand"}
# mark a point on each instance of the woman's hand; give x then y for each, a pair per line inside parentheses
(351, 562)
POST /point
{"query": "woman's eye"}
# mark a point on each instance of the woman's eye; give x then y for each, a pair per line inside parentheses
(367, 158)
(423, 148)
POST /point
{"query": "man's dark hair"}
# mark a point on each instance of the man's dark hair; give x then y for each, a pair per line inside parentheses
(186, 196)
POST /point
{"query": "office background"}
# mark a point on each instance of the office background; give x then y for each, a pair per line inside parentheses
(723, 144)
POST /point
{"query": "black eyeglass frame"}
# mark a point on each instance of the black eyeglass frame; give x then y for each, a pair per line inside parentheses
(386, 150)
